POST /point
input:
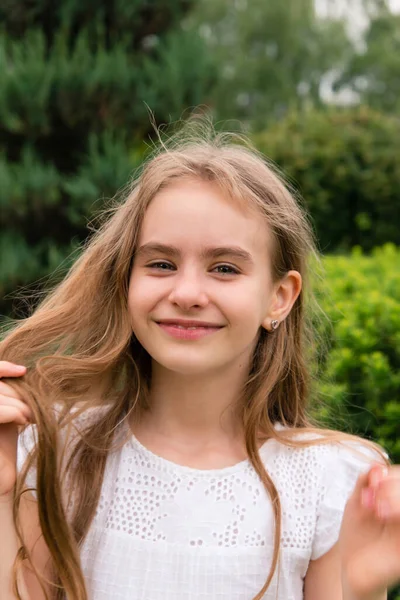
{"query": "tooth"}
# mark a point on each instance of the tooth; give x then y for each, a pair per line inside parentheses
(187, 327)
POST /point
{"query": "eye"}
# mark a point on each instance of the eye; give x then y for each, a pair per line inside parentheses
(226, 270)
(161, 266)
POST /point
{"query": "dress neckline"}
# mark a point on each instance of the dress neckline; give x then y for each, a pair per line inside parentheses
(166, 464)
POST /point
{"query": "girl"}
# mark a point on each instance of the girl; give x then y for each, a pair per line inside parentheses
(167, 377)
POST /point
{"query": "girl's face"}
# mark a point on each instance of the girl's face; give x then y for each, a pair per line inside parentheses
(201, 284)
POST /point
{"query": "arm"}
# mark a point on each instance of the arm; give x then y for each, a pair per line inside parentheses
(324, 579)
(8, 549)
(29, 586)
(14, 413)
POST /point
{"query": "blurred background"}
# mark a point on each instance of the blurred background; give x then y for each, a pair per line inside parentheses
(315, 84)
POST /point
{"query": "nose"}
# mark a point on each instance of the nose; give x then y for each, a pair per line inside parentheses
(188, 291)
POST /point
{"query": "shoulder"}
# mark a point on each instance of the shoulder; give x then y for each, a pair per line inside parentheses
(315, 473)
(318, 458)
(70, 430)
(328, 445)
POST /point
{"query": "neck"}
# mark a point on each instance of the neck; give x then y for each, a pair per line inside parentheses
(201, 407)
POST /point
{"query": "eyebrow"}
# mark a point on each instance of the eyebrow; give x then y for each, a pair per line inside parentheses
(212, 252)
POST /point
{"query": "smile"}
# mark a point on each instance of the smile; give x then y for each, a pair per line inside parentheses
(188, 331)
(184, 327)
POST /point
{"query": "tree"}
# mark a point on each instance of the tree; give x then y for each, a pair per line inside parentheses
(272, 56)
(373, 72)
(76, 80)
(344, 163)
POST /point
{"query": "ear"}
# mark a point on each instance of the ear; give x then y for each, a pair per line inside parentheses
(285, 294)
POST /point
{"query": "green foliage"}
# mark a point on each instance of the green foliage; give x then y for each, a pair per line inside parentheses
(359, 380)
(358, 386)
(345, 165)
(373, 72)
(271, 56)
(132, 20)
(76, 80)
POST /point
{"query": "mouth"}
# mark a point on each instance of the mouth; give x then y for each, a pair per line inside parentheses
(188, 330)
(186, 324)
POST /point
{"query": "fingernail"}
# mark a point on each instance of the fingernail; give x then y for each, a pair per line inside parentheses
(377, 475)
(20, 367)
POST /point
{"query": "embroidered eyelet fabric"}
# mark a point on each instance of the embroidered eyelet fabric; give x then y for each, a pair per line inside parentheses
(168, 532)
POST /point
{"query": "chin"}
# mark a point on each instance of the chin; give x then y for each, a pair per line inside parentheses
(187, 366)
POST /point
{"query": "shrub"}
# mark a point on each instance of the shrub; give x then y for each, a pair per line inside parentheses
(345, 165)
(75, 78)
(359, 379)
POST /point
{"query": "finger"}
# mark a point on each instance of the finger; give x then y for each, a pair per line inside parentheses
(10, 414)
(8, 369)
(361, 484)
(16, 403)
(8, 390)
(387, 499)
(389, 478)
(365, 489)
(376, 474)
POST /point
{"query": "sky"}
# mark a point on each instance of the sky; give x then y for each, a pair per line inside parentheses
(357, 23)
(356, 17)
(343, 4)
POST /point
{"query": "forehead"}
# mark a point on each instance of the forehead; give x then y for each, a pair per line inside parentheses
(192, 212)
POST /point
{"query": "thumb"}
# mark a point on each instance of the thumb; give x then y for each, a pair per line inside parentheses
(370, 480)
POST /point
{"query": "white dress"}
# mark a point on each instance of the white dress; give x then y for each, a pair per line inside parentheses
(168, 532)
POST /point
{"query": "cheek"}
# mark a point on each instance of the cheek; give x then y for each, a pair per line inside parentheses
(136, 297)
(138, 310)
(247, 304)
(143, 296)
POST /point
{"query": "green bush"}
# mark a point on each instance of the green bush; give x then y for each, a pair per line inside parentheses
(75, 82)
(345, 165)
(359, 379)
(358, 384)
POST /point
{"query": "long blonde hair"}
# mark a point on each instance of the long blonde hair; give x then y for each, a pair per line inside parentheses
(80, 351)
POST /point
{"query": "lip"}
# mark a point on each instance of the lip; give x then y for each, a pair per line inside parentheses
(184, 329)
(188, 323)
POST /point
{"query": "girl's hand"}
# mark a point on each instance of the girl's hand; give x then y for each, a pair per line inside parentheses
(370, 535)
(13, 413)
